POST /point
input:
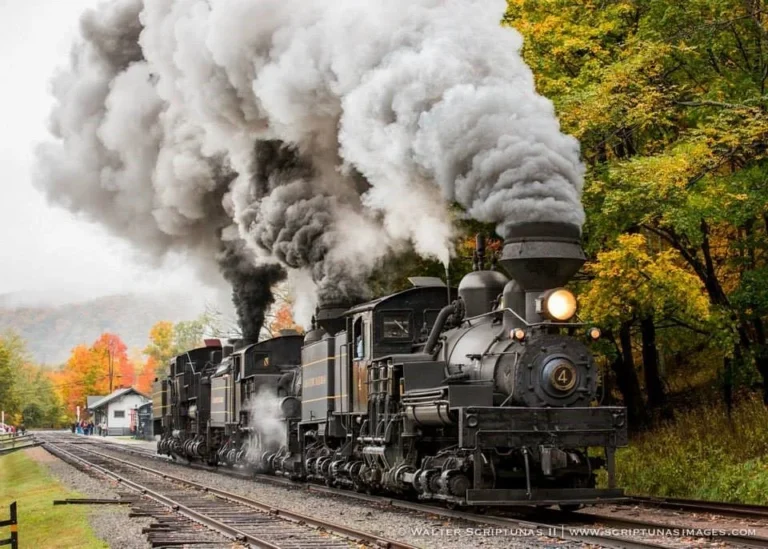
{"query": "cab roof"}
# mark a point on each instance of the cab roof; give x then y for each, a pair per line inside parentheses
(419, 291)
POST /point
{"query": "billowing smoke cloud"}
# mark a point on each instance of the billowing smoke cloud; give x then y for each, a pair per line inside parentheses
(313, 134)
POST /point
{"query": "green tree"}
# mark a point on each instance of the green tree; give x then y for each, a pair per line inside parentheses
(167, 340)
(670, 105)
(161, 345)
(27, 388)
(41, 405)
(8, 400)
(188, 334)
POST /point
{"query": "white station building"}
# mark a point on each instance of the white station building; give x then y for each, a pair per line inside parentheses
(117, 410)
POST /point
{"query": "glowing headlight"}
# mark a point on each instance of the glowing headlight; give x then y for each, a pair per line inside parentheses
(559, 304)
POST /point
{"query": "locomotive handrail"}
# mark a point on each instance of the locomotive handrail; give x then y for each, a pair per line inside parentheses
(529, 324)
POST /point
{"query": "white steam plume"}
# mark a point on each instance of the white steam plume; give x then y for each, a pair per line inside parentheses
(266, 424)
(324, 134)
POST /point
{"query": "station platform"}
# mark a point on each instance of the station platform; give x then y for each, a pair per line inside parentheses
(121, 440)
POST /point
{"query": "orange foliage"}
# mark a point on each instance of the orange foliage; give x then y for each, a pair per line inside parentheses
(466, 247)
(116, 355)
(147, 376)
(87, 371)
(284, 320)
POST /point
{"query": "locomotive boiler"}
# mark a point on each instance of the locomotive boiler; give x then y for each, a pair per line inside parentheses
(481, 396)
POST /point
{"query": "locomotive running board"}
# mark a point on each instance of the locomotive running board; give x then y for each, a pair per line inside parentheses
(549, 496)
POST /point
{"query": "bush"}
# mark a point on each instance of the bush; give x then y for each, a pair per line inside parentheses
(702, 454)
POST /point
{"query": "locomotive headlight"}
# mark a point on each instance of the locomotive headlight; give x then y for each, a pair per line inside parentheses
(594, 333)
(559, 304)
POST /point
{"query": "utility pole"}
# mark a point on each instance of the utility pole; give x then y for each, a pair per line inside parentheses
(111, 370)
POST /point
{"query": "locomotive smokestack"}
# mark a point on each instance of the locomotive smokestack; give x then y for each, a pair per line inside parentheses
(542, 255)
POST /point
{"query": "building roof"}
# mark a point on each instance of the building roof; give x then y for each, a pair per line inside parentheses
(91, 400)
(114, 395)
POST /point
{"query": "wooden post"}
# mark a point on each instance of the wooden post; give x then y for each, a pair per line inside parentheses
(13, 541)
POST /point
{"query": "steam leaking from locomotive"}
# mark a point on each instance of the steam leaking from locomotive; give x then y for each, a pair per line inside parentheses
(266, 424)
(313, 136)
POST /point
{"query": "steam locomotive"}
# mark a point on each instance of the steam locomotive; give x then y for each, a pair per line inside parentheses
(483, 398)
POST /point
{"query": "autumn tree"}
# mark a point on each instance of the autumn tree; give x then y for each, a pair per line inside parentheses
(283, 320)
(161, 342)
(83, 374)
(669, 103)
(147, 376)
(167, 340)
(633, 284)
(115, 354)
(94, 370)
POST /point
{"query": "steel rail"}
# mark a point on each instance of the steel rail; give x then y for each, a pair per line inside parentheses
(492, 520)
(633, 523)
(564, 518)
(178, 507)
(715, 507)
(558, 531)
(347, 532)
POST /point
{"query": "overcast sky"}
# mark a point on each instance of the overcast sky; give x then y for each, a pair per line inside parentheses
(46, 251)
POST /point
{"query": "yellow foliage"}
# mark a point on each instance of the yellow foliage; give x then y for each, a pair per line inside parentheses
(630, 280)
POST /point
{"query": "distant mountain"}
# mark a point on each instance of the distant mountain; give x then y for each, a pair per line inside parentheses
(51, 332)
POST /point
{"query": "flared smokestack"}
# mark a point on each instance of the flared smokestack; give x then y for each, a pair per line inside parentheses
(542, 255)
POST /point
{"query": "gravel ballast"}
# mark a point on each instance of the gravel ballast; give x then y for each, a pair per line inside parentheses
(429, 532)
(109, 522)
(417, 528)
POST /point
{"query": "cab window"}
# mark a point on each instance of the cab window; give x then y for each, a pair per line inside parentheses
(396, 325)
(361, 339)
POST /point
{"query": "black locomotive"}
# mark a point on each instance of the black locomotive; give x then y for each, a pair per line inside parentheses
(485, 398)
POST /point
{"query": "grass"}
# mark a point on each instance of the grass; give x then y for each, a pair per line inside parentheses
(40, 523)
(702, 454)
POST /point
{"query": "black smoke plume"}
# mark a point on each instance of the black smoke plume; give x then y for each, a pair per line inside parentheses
(251, 286)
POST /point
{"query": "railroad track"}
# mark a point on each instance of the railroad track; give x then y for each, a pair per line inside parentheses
(181, 506)
(568, 526)
(738, 510)
(564, 521)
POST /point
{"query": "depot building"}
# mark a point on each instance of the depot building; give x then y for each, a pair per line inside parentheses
(118, 411)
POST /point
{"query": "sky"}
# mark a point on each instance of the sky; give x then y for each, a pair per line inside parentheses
(47, 254)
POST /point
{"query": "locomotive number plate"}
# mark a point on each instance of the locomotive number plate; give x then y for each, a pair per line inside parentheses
(563, 377)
